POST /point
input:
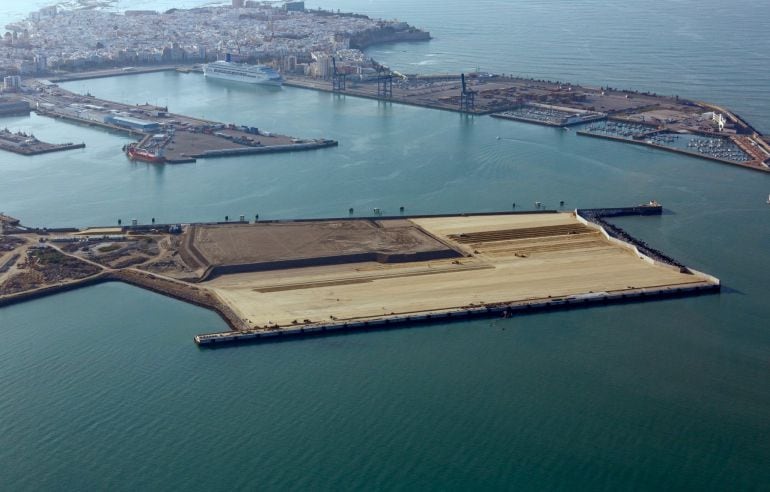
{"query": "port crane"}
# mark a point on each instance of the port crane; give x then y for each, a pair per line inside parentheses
(384, 83)
(467, 97)
(338, 79)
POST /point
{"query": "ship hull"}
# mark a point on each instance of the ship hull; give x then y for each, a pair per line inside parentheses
(247, 74)
(139, 155)
(245, 80)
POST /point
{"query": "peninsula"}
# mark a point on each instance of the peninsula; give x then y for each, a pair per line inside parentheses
(322, 50)
(281, 278)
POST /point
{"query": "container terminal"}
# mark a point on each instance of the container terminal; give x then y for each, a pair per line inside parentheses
(657, 121)
(323, 275)
(561, 104)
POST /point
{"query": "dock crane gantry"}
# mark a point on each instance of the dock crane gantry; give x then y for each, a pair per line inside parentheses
(467, 97)
(338, 79)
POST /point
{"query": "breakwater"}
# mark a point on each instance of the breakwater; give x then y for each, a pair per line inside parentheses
(748, 165)
(597, 216)
(50, 290)
(44, 149)
(268, 149)
(371, 37)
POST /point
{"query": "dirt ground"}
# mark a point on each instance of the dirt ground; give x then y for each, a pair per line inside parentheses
(514, 257)
(285, 241)
(46, 266)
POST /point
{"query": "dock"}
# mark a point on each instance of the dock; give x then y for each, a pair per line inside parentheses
(208, 340)
(755, 163)
(165, 137)
(549, 115)
(23, 144)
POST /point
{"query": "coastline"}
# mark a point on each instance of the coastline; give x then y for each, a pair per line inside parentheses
(445, 99)
(674, 150)
(207, 292)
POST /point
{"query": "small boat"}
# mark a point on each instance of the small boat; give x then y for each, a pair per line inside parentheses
(768, 199)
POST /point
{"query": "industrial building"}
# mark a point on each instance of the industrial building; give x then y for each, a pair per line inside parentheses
(11, 83)
(294, 6)
(132, 123)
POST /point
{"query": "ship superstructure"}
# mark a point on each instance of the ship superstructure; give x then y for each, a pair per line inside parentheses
(242, 72)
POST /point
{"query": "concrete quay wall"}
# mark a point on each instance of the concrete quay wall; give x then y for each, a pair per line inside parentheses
(209, 340)
(671, 149)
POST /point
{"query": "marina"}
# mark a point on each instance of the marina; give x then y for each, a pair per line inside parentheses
(745, 151)
(626, 116)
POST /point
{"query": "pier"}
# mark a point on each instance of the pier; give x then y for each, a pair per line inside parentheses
(165, 137)
(542, 102)
(547, 115)
(23, 144)
(754, 164)
(562, 105)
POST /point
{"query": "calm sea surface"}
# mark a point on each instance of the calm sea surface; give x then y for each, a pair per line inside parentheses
(103, 388)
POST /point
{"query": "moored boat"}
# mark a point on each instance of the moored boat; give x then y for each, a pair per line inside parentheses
(136, 153)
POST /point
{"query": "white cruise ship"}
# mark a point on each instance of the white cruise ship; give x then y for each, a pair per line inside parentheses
(242, 72)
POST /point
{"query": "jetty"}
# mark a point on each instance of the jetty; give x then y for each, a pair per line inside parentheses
(24, 144)
(163, 137)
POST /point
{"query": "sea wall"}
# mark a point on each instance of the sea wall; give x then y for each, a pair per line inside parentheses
(387, 34)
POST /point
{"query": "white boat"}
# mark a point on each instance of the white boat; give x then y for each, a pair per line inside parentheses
(768, 198)
(242, 72)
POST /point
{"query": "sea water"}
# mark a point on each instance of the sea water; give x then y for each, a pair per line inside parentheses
(104, 388)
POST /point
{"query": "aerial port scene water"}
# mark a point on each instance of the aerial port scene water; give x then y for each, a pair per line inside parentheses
(384, 245)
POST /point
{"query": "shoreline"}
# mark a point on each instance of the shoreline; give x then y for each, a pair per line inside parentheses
(443, 99)
(209, 296)
(672, 149)
(756, 165)
(169, 138)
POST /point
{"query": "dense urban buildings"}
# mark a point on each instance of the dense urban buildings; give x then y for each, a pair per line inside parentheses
(289, 37)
